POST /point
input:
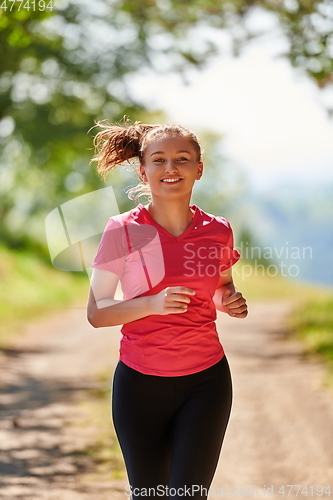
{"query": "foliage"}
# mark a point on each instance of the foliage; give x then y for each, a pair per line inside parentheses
(65, 68)
(307, 25)
(52, 88)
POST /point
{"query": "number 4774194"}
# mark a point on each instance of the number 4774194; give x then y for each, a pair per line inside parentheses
(33, 5)
(300, 489)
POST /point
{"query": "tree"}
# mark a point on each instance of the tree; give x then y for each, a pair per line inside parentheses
(50, 95)
(67, 65)
(306, 24)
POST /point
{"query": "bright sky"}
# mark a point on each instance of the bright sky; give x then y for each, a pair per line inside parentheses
(270, 116)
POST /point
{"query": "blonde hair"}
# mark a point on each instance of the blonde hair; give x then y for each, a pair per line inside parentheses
(115, 144)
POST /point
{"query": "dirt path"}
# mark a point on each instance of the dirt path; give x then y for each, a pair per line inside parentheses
(280, 431)
(281, 425)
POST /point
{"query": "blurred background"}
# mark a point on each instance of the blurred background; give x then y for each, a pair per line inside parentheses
(254, 80)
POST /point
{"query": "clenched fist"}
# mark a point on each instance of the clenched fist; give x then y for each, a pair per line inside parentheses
(172, 300)
(234, 304)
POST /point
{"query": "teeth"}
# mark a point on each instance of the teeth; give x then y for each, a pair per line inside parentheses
(171, 180)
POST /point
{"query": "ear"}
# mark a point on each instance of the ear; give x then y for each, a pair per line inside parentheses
(200, 170)
(143, 173)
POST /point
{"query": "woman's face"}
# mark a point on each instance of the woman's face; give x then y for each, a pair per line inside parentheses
(170, 166)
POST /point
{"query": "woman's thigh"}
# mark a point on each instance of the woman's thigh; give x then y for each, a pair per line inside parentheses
(198, 431)
(142, 409)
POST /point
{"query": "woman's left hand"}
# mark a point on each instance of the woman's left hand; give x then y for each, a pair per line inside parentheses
(234, 304)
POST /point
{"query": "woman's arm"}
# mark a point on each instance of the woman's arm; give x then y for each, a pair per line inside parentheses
(227, 298)
(104, 310)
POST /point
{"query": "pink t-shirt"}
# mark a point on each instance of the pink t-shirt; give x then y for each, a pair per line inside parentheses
(148, 259)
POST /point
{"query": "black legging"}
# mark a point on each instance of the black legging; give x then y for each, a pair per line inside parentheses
(171, 429)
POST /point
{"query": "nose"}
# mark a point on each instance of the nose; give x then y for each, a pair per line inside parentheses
(170, 166)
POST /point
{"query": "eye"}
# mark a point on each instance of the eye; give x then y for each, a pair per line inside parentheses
(159, 160)
(183, 159)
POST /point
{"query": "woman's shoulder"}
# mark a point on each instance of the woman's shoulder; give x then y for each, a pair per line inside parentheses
(207, 217)
(135, 215)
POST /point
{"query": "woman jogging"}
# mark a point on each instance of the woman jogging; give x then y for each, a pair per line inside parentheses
(172, 388)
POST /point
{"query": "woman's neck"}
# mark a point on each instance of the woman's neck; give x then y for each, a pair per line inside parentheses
(175, 216)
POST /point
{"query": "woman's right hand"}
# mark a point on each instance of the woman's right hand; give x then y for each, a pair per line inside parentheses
(171, 300)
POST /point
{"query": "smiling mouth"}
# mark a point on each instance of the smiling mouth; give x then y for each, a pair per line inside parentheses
(172, 181)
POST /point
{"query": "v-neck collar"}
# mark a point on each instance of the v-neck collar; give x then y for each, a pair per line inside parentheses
(161, 228)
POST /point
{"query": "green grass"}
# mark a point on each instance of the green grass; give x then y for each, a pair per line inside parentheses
(95, 411)
(311, 320)
(312, 323)
(256, 284)
(30, 289)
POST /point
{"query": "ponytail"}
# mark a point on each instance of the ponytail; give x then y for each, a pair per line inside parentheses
(115, 144)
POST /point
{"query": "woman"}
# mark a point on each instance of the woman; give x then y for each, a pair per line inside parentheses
(172, 388)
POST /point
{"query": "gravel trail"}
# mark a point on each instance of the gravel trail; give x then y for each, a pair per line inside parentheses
(280, 431)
